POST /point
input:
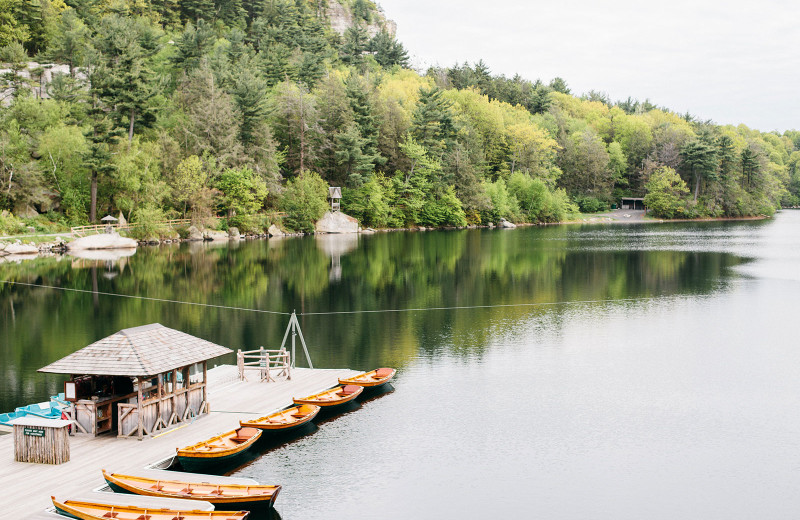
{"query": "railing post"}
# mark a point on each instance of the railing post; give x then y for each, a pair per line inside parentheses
(240, 364)
(263, 363)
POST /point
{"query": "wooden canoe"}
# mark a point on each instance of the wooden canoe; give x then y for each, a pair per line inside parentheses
(222, 494)
(372, 379)
(96, 511)
(284, 420)
(218, 449)
(332, 397)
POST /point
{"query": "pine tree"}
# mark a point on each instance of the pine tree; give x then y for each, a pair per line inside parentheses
(195, 10)
(356, 42)
(388, 51)
(432, 123)
(364, 118)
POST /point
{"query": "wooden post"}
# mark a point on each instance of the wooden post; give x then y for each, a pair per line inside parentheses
(263, 362)
(240, 364)
(175, 395)
(159, 411)
(205, 389)
(139, 406)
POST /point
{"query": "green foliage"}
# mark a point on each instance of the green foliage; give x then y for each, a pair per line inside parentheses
(304, 200)
(591, 204)
(222, 100)
(503, 204)
(370, 202)
(243, 192)
(666, 194)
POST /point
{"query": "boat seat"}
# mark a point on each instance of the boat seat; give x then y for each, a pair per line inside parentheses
(110, 514)
(143, 517)
(383, 372)
(349, 389)
(298, 415)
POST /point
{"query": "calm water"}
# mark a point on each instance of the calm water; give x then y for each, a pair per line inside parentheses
(657, 376)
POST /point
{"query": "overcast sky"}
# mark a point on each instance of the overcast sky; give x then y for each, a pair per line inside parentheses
(732, 62)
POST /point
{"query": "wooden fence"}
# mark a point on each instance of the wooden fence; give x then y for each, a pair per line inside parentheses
(269, 363)
(82, 231)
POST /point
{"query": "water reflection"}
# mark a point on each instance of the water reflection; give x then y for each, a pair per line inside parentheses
(344, 273)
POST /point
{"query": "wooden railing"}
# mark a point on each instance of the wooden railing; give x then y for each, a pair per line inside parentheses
(269, 363)
(81, 231)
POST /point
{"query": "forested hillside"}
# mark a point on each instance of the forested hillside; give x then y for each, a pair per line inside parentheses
(247, 108)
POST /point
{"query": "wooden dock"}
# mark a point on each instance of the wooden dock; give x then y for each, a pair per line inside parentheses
(28, 487)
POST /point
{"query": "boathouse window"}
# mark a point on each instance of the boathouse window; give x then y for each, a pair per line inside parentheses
(196, 373)
(183, 378)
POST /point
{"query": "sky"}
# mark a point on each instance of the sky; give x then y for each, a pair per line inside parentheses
(732, 62)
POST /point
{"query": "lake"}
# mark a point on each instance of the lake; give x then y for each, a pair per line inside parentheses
(561, 372)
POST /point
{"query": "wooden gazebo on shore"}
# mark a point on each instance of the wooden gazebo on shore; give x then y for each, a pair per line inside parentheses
(137, 381)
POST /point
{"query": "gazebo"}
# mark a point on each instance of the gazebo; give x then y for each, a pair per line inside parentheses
(137, 381)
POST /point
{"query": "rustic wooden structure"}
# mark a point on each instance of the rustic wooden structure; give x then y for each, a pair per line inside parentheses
(269, 363)
(43, 441)
(138, 381)
(335, 194)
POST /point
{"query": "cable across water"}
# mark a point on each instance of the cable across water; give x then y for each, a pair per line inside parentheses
(324, 313)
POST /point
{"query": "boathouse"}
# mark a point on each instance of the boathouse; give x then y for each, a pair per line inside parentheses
(137, 381)
(632, 203)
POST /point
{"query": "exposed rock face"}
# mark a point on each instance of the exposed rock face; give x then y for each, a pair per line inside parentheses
(506, 224)
(233, 233)
(103, 241)
(194, 234)
(275, 231)
(337, 222)
(341, 19)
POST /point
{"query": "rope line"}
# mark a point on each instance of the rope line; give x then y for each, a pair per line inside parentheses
(146, 298)
(364, 311)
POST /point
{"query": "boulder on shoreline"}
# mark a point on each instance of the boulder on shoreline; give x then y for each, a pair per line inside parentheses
(336, 222)
(505, 224)
(19, 249)
(275, 231)
(194, 234)
(210, 234)
(103, 241)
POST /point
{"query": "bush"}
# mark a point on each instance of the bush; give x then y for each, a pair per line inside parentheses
(589, 204)
(304, 200)
(147, 220)
(10, 225)
(667, 195)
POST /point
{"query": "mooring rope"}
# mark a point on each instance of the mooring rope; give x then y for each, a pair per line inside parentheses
(324, 313)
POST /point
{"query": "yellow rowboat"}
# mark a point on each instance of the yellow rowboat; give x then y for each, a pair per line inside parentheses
(286, 419)
(218, 494)
(332, 397)
(96, 511)
(372, 379)
(217, 449)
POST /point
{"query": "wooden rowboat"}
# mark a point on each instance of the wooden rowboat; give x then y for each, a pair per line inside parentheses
(335, 396)
(217, 449)
(96, 511)
(222, 494)
(286, 419)
(372, 379)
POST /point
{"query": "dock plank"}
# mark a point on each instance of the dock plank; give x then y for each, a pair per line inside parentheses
(28, 487)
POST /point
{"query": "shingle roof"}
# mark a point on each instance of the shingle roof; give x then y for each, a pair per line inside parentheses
(140, 351)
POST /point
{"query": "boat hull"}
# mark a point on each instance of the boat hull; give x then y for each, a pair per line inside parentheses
(372, 379)
(336, 399)
(98, 511)
(220, 450)
(264, 496)
(263, 423)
